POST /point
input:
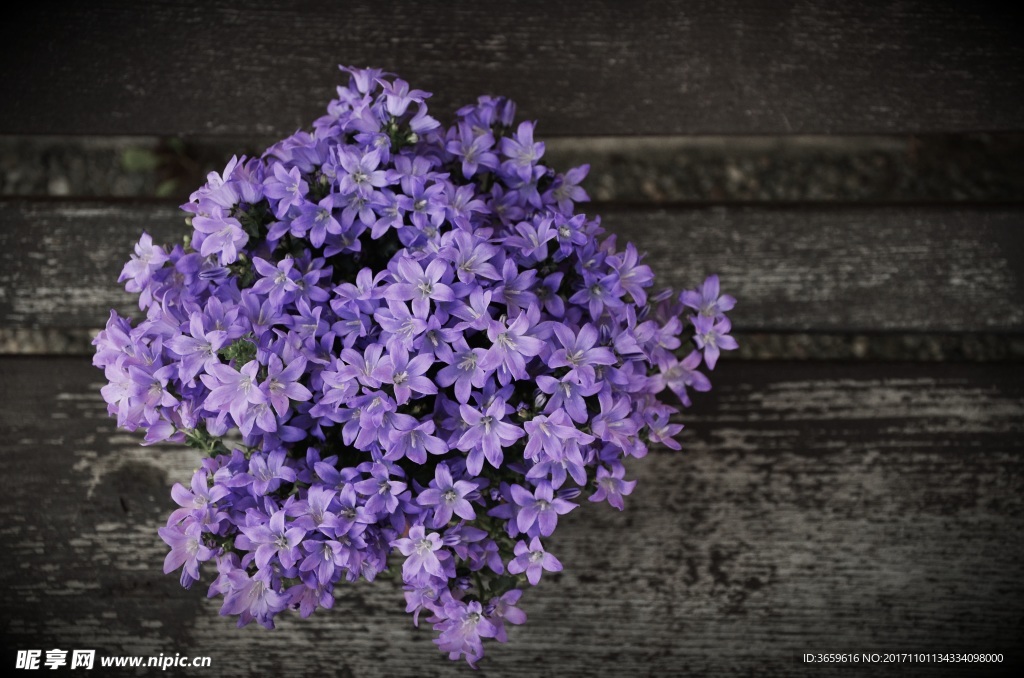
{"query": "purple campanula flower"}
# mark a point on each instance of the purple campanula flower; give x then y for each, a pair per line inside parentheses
(318, 220)
(187, 551)
(425, 207)
(474, 148)
(379, 303)
(611, 486)
(279, 282)
(474, 312)
(411, 173)
(287, 187)
(465, 372)
(404, 374)
(323, 558)
(231, 389)
(632, 276)
(360, 172)
(447, 497)
(313, 512)
(707, 301)
(599, 293)
(415, 442)
(579, 353)
(197, 501)
(713, 336)
(138, 272)
(505, 610)
(486, 434)
(252, 598)
(403, 327)
(567, 190)
(661, 429)
(423, 555)
(538, 511)
(471, 257)
(381, 490)
(522, 152)
(532, 559)
(419, 285)
(515, 287)
(399, 96)
(567, 393)
(275, 539)
(222, 235)
(551, 434)
(464, 626)
(282, 383)
(511, 346)
(682, 374)
(267, 473)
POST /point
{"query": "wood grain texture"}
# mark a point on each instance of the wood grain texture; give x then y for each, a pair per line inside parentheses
(594, 67)
(816, 508)
(810, 269)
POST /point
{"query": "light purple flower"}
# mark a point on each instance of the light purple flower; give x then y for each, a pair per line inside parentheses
(707, 301)
(421, 553)
(712, 337)
(539, 510)
(611, 486)
(447, 497)
(532, 559)
(486, 433)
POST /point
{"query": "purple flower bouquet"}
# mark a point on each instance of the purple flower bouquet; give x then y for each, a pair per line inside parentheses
(395, 340)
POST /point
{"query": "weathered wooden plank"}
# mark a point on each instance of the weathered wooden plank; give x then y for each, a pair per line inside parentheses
(814, 269)
(595, 67)
(665, 170)
(817, 508)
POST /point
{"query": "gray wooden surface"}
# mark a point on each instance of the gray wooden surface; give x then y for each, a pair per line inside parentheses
(599, 67)
(795, 268)
(817, 508)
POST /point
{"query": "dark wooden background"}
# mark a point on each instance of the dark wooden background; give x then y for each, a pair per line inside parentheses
(868, 505)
